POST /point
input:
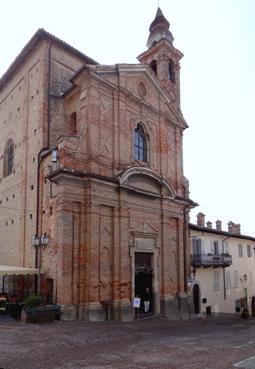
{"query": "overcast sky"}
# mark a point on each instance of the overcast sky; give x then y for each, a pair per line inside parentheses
(217, 38)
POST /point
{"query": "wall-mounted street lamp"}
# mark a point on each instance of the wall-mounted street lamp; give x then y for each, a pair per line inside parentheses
(42, 240)
(39, 242)
(244, 278)
(193, 273)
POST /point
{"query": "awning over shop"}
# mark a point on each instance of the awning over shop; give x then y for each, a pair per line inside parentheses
(11, 270)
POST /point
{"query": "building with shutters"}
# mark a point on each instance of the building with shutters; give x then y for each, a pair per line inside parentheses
(223, 268)
(91, 157)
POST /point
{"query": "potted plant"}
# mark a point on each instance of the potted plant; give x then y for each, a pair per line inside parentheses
(36, 312)
(29, 302)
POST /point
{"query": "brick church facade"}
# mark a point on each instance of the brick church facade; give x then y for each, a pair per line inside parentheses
(91, 155)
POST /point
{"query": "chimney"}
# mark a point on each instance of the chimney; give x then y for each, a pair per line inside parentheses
(234, 228)
(231, 227)
(209, 225)
(238, 228)
(218, 225)
(200, 219)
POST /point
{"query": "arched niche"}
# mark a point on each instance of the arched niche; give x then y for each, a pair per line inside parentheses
(146, 180)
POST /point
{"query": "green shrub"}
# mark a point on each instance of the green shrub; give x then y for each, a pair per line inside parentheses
(32, 300)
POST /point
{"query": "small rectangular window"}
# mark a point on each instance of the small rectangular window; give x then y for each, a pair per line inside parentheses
(240, 251)
(196, 246)
(249, 251)
(216, 247)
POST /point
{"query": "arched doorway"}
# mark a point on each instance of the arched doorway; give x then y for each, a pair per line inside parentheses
(196, 298)
(253, 306)
(143, 279)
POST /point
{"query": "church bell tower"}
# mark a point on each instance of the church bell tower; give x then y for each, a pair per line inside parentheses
(163, 58)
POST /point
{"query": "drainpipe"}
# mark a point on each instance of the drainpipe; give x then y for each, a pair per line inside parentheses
(39, 160)
(37, 202)
(185, 241)
(224, 274)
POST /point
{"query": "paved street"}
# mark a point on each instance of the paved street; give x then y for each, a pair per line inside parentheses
(213, 343)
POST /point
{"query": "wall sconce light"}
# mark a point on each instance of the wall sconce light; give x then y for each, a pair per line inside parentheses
(42, 240)
(244, 278)
(38, 242)
(193, 272)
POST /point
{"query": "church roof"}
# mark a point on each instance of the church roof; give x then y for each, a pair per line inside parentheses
(41, 34)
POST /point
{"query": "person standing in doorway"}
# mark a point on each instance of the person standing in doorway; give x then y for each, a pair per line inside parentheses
(146, 300)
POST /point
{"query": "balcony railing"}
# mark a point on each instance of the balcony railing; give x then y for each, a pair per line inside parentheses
(207, 260)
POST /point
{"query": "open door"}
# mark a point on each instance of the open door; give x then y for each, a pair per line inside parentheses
(196, 298)
(253, 306)
(143, 281)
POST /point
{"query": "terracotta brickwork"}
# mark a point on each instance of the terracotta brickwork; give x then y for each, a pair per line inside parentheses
(100, 204)
(21, 112)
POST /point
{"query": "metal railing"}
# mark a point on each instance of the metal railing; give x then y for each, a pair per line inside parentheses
(203, 260)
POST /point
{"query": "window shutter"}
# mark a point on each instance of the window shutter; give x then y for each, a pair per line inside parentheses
(250, 278)
(236, 281)
(212, 248)
(202, 247)
(199, 247)
(193, 246)
(228, 280)
(216, 280)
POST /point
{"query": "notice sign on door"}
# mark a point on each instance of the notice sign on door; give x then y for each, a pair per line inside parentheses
(136, 302)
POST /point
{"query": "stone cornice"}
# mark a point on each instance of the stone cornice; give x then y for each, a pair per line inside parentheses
(60, 172)
(67, 174)
(177, 53)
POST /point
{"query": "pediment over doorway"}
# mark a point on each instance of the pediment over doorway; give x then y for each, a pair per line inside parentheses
(146, 228)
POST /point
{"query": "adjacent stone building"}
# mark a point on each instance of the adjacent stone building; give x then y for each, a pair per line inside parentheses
(223, 264)
(91, 155)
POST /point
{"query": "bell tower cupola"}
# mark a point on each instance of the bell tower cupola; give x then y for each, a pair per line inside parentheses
(159, 29)
(163, 58)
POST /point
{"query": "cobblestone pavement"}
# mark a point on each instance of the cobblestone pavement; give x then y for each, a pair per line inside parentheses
(215, 343)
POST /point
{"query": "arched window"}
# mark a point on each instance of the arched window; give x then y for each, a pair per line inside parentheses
(8, 158)
(153, 66)
(140, 143)
(171, 71)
